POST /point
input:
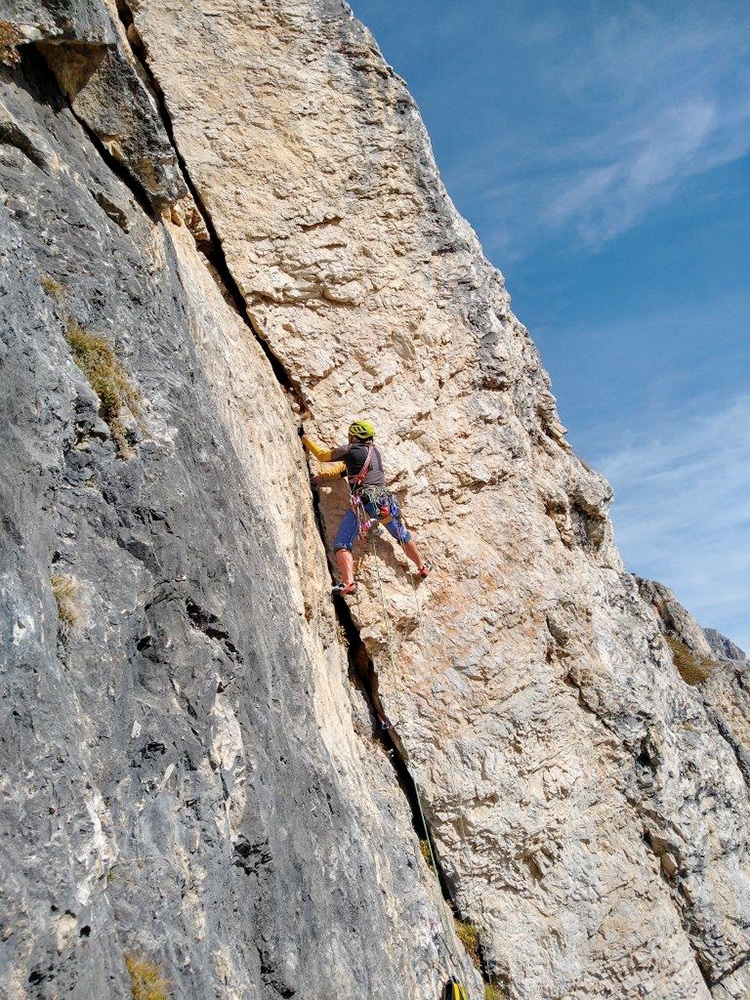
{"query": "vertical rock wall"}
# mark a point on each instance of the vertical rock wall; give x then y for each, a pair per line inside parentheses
(190, 781)
(205, 782)
(562, 756)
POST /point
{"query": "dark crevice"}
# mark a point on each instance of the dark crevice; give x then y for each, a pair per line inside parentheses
(11, 135)
(210, 248)
(212, 627)
(38, 71)
(120, 171)
(739, 964)
(735, 745)
(361, 667)
(364, 676)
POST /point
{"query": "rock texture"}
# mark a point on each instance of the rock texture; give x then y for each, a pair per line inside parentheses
(194, 776)
(723, 648)
(183, 779)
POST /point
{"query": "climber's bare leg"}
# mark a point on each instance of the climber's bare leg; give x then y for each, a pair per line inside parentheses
(345, 563)
(410, 548)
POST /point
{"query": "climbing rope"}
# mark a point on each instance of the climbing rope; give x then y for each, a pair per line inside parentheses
(365, 526)
(447, 928)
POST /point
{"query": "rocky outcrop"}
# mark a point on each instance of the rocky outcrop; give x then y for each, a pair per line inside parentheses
(210, 787)
(81, 44)
(723, 648)
(673, 619)
(722, 681)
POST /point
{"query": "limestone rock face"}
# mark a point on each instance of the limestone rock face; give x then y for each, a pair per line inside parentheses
(568, 770)
(189, 778)
(715, 666)
(208, 780)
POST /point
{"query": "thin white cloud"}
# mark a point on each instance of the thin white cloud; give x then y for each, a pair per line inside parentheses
(682, 512)
(648, 100)
(649, 162)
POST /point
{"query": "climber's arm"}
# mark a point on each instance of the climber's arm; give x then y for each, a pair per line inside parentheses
(324, 455)
(333, 471)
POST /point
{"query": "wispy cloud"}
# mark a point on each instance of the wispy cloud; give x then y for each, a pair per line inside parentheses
(646, 101)
(682, 512)
(648, 159)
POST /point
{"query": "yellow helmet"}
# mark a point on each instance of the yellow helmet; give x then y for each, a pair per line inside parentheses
(362, 430)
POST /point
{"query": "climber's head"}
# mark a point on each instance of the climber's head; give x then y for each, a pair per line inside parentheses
(361, 430)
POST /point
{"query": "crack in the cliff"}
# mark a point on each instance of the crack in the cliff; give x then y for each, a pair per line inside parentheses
(361, 667)
(33, 65)
(364, 677)
(212, 248)
(741, 963)
(740, 755)
(118, 169)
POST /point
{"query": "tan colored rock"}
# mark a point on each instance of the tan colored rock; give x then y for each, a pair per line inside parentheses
(533, 695)
(258, 416)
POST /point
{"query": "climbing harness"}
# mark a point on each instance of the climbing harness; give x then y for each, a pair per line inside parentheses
(356, 481)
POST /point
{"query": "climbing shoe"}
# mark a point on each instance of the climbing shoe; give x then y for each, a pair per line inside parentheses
(343, 588)
(425, 570)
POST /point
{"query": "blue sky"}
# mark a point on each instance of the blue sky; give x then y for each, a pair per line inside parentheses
(601, 150)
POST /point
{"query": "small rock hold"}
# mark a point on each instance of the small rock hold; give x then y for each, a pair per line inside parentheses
(669, 864)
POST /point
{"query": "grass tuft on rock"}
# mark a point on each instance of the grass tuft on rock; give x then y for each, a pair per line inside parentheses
(10, 39)
(424, 850)
(96, 358)
(468, 935)
(146, 979)
(67, 591)
(693, 667)
(52, 287)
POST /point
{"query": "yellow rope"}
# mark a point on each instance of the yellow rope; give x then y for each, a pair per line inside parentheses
(447, 928)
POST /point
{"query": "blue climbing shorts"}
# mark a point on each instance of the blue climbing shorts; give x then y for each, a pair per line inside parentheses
(347, 533)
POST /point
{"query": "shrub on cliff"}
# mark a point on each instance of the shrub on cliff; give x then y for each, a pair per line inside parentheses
(10, 39)
(694, 668)
(66, 590)
(146, 979)
(468, 935)
(109, 380)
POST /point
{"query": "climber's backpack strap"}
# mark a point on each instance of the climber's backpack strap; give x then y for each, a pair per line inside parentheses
(356, 481)
(453, 990)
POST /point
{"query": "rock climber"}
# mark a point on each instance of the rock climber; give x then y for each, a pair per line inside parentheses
(360, 462)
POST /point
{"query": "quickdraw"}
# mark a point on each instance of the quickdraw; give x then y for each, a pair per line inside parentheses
(377, 496)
